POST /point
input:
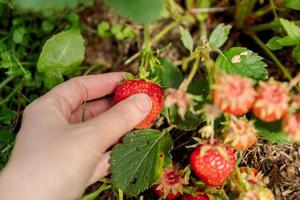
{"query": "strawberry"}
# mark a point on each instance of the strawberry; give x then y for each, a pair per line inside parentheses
(199, 196)
(132, 87)
(259, 193)
(240, 134)
(170, 196)
(170, 185)
(233, 94)
(272, 101)
(212, 163)
(291, 126)
(252, 175)
(295, 102)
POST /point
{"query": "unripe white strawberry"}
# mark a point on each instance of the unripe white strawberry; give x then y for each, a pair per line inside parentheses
(291, 126)
(240, 134)
(272, 101)
(234, 94)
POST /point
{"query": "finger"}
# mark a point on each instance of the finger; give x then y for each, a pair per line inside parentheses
(109, 127)
(71, 94)
(90, 110)
(102, 168)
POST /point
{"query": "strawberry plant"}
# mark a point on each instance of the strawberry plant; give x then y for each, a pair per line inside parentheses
(222, 77)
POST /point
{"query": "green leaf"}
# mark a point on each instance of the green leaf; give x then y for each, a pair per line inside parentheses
(96, 193)
(128, 32)
(6, 136)
(291, 29)
(219, 36)
(286, 41)
(18, 35)
(190, 122)
(166, 74)
(103, 29)
(186, 38)
(140, 11)
(242, 61)
(273, 44)
(199, 87)
(116, 28)
(47, 26)
(6, 115)
(296, 53)
(62, 52)
(292, 4)
(272, 131)
(37, 5)
(138, 161)
(52, 79)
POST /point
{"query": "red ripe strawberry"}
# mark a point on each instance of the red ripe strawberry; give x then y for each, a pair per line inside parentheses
(240, 134)
(234, 94)
(291, 126)
(132, 87)
(212, 163)
(170, 196)
(170, 185)
(199, 196)
(272, 101)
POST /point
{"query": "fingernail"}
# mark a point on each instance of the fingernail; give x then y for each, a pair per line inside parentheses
(143, 101)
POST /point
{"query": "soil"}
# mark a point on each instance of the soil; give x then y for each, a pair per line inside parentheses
(280, 163)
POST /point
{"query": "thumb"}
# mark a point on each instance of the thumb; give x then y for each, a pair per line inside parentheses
(110, 126)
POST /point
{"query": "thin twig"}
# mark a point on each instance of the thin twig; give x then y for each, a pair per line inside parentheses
(272, 56)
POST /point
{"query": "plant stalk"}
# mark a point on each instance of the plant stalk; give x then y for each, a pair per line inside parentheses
(272, 56)
(192, 73)
(161, 34)
(269, 25)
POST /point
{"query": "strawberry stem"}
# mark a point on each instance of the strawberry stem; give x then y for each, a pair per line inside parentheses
(271, 55)
(212, 123)
(184, 86)
(156, 39)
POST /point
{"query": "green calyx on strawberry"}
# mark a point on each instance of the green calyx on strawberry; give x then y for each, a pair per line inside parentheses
(212, 163)
(171, 184)
(245, 178)
(154, 91)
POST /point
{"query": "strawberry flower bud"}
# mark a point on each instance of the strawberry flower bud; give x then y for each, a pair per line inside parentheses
(182, 99)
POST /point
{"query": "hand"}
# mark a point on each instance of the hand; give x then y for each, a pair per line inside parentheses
(56, 156)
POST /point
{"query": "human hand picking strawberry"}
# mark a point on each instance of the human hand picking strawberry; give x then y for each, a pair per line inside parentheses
(59, 155)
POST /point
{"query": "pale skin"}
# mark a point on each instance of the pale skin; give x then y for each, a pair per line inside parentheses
(56, 155)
